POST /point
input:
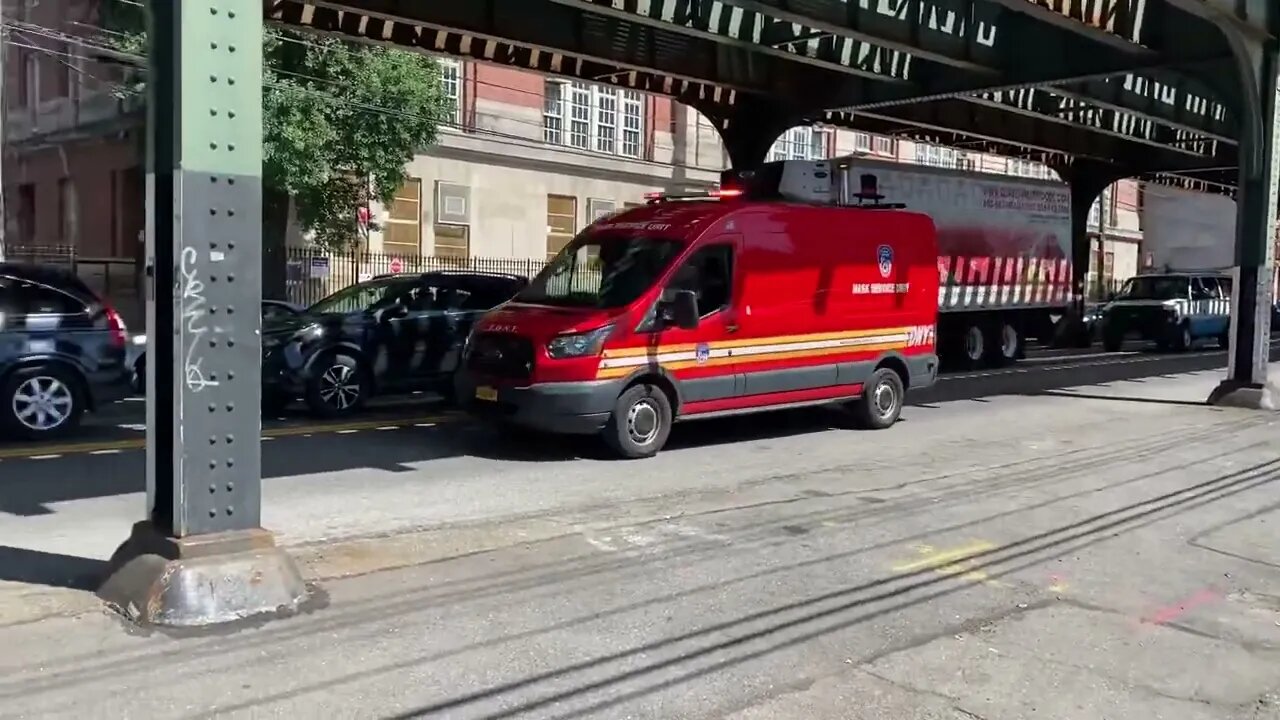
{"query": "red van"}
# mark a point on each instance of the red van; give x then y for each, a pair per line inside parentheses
(698, 307)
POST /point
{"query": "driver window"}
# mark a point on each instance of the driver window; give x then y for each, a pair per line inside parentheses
(1199, 291)
(1211, 288)
(709, 274)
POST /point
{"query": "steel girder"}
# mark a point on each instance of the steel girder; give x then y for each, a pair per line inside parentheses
(692, 65)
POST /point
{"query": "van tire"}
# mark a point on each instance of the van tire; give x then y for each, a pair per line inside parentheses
(1183, 339)
(881, 402)
(640, 423)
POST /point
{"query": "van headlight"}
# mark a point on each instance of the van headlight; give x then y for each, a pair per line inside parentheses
(578, 344)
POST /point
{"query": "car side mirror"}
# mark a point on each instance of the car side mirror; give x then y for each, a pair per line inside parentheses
(680, 308)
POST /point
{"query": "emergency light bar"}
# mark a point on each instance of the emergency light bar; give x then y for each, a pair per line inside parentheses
(721, 193)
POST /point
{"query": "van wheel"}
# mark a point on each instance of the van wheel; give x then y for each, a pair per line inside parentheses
(1005, 345)
(1112, 342)
(640, 423)
(41, 403)
(881, 401)
(1224, 340)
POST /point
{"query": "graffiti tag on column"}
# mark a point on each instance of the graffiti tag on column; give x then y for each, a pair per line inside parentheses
(193, 317)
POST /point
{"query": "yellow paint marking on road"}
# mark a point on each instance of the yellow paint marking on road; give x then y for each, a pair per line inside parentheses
(46, 451)
(956, 561)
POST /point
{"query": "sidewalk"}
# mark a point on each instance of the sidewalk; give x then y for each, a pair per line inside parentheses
(1102, 552)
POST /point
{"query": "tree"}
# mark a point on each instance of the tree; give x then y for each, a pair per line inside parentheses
(340, 121)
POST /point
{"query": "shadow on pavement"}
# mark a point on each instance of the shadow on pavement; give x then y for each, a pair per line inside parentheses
(30, 487)
(34, 567)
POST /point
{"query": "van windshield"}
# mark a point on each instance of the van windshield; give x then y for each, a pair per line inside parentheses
(1166, 287)
(602, 272)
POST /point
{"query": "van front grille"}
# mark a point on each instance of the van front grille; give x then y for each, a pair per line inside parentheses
(501, 355)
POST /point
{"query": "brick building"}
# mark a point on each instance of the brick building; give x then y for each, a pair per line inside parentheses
(525, 162)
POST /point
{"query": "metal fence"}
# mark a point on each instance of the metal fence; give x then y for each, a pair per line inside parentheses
(313, 273)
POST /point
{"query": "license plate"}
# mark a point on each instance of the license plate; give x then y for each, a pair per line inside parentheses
(487, 393)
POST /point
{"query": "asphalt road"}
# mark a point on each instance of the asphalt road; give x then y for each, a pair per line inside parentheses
(1028, 551)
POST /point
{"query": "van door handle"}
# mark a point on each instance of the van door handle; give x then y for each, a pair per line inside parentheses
(731, 327)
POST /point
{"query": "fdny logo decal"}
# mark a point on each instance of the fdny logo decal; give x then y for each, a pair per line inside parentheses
(920, 336)
(884, 259)
(702, 353)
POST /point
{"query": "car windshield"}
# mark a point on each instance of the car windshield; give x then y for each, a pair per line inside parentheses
(602, 272)
(369, 296)
(1154, 288)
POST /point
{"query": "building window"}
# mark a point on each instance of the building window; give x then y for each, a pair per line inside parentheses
(452, 226)
(593, 117)
(553, 113)
(632, 123)
(66, 212)
(562, 222)
(862, 142)
(965, 161)
(451, 86)
(935, 156)
(885, 146)
(403, 232)
(800, 143)
(26, 214)
(452, 241)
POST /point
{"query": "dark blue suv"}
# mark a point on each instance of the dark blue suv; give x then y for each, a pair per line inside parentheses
(62, 352)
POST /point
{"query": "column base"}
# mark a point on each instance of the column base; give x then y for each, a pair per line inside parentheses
(1250, 396)
(202, 581)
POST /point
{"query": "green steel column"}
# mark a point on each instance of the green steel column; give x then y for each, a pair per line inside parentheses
(205, 181)
(200, 558)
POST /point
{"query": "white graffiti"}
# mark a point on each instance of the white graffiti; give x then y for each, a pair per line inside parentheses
(194, 313)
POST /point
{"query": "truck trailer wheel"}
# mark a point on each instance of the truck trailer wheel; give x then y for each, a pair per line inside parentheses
(1005, 345)
(971, 347)
(640, 423)
(881, 401)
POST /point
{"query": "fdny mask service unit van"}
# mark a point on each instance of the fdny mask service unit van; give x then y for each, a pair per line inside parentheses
(766, 294)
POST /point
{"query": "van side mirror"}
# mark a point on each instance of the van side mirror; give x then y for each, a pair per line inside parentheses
(680, 308)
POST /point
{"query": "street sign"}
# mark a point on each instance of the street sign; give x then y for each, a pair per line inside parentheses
(397, 265)
(319, 267)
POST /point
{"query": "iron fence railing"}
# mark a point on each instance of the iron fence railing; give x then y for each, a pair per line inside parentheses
(314, 273)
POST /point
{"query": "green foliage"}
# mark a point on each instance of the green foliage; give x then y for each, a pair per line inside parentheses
(340, 120)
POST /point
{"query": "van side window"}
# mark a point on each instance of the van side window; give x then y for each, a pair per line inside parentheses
(1211, 287)
(709, 274)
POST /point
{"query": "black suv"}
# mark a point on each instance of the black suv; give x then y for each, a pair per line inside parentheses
(394, 333)
(62, 351)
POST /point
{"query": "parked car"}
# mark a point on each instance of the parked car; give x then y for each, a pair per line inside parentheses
(62, 351)
(393, 333)
(272, 311)
(1173, 310)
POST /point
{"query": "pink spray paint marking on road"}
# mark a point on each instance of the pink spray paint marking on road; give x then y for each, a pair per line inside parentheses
(1170, 613)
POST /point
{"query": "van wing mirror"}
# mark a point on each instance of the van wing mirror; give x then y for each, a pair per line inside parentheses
(680, 308)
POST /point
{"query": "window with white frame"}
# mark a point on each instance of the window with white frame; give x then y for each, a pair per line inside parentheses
(884, 146)
(862, 142)
(935, 156)
(451, 86)
(800, 143)
(593, 117)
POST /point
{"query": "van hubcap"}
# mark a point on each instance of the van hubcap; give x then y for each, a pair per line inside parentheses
(885, 398)
(643, 422)
(42, 403)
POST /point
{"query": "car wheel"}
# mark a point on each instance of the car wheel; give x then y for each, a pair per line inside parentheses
(1112, 342)
(640, 423)
(1183, 339)
(1224, 340)
(42, 402)
(881, 402)
(339, 386)
(139, 379)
